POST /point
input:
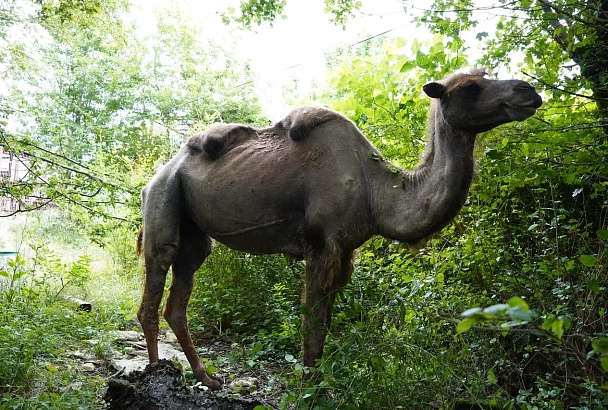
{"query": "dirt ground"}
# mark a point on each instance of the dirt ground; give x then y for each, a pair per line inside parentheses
(161, 387)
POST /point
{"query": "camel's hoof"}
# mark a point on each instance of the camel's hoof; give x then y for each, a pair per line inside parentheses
(217, 378)
(211, 381)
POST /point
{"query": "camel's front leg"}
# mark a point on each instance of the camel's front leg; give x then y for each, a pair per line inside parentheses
(316, 322)
(325, 275)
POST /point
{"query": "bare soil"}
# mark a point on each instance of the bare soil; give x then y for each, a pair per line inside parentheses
(161, 386)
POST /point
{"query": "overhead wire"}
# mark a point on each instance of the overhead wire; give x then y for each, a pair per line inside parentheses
(324, 55)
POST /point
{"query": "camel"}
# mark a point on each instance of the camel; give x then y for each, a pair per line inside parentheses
(314, 188)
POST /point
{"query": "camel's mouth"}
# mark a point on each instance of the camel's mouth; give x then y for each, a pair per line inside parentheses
(519, 112)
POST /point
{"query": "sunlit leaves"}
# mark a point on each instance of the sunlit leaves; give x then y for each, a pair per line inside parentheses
(342, 10)
(492, 379)
(255, 12)
(557, 325)
(515, 312)
(465, 324)
(102, 106)
(380, 89)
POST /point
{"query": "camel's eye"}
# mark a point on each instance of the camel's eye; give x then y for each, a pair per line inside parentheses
(472, 89)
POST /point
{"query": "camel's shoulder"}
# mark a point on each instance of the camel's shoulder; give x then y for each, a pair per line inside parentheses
(221, 138)
(300, 122)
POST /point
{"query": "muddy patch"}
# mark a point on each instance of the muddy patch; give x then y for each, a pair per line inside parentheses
(161, 386)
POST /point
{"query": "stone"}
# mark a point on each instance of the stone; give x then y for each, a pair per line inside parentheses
(170, 337)
(245, 384)
(87, 367)
(127, 335)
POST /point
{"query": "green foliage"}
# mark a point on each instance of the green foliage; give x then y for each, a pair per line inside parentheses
(68, 10)
(41, 330)
(505, 309)
(342, 10)
(255, 11)
(260, 11)
(101, 108)
(381, 90)
(254, 297)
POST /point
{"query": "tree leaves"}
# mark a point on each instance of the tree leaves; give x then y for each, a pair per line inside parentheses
(255, 11)
(587, 260)
(515, 312)
(102, 106)
(600, 348)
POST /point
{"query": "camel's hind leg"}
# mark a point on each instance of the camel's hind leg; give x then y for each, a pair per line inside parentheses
(160, 242)
(194, 247)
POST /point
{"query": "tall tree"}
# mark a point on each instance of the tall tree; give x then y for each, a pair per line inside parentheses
(97, 101)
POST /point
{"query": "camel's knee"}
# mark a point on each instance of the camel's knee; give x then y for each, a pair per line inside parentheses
(330, 267)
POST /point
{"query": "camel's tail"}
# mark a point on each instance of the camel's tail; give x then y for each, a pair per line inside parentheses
(140, 241)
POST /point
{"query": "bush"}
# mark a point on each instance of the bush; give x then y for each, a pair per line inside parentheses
(248, 296)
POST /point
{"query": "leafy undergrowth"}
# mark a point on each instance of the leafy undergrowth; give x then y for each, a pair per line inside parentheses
(410, 331)
(44, 334)
(37, 345)
(399, 338)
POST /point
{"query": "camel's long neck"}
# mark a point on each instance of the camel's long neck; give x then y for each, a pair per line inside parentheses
(416, 204)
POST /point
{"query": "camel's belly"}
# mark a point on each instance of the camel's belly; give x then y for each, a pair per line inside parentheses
(262, 234)
(271, 238)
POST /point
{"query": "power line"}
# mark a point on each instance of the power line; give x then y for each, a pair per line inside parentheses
(323, 56)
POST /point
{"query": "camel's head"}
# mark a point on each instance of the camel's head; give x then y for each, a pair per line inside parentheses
(471, 102)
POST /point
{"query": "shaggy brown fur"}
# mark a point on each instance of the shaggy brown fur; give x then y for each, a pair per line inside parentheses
(139, 243)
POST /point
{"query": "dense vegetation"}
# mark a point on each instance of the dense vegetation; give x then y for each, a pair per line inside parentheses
(504, 309)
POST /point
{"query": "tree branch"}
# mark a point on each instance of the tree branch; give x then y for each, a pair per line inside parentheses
(550, 5)
(564, 91)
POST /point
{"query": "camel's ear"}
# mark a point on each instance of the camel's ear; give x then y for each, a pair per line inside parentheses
(434, 90)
